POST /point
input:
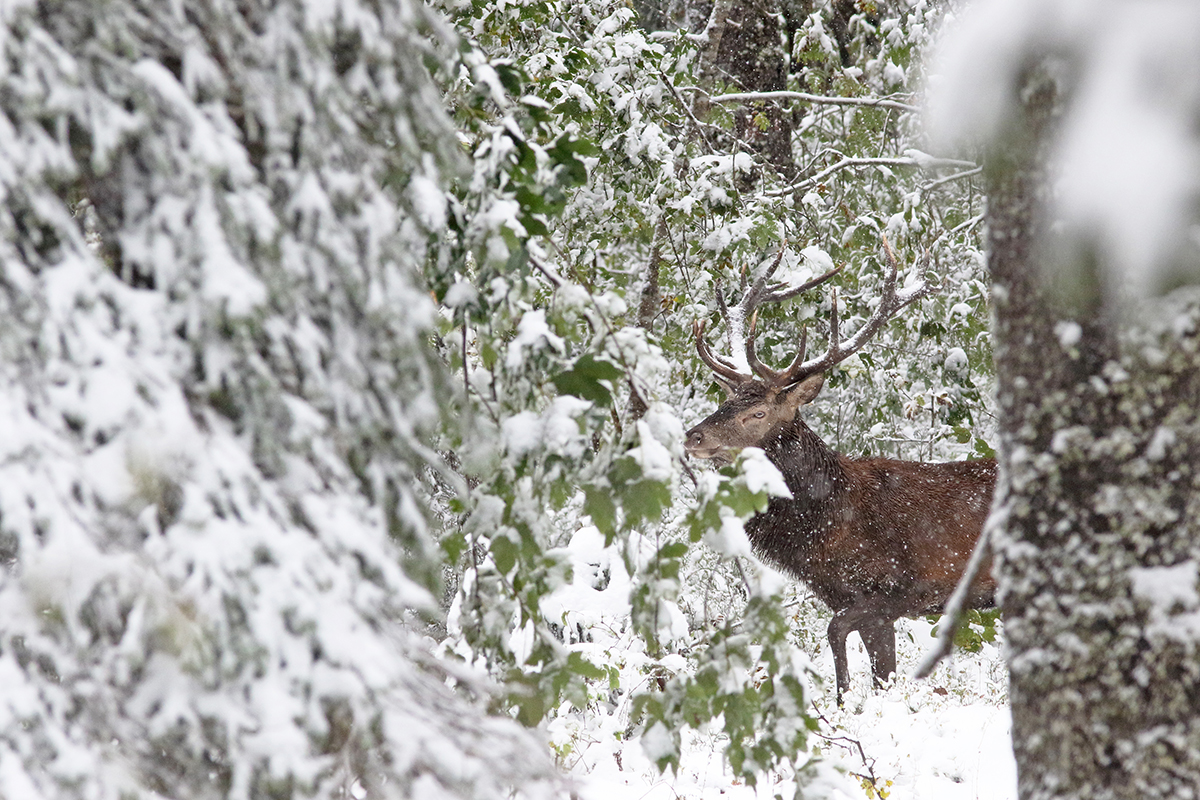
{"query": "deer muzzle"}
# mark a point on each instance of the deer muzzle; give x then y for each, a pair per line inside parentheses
(698, 445)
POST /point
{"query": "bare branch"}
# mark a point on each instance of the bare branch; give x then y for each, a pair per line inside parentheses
(750, 97)
(925, 162)
(971, 223)
(958, 176)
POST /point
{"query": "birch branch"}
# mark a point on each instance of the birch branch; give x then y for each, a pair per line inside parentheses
(951, 178)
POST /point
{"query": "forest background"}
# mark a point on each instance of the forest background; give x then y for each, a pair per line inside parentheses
(347, 354)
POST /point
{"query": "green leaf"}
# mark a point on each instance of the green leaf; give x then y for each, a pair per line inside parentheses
(584, 378)
(598, 504)
(581, 666)
(454, 545)
(645, 499)
(504, 553)
(673, 550)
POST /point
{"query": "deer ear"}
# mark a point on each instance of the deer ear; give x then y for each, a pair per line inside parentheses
(730, 389)
(803, 392)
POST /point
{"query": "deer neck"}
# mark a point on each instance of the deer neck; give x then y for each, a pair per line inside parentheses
(813, 471)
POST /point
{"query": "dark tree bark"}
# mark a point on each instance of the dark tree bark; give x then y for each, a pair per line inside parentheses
(1098, 551)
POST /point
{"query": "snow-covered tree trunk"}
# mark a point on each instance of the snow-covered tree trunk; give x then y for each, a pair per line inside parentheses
(1099, 548)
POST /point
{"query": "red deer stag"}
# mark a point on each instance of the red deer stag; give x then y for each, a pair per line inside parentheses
(875, 539)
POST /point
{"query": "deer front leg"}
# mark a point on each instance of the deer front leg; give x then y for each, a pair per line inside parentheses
(843, 622)
(839, 629)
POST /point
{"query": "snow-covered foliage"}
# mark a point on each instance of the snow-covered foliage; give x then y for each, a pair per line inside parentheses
(217, 396)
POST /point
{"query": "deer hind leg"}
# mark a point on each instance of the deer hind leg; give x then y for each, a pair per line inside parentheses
(857, 617)
(879, 637)
(873, 620)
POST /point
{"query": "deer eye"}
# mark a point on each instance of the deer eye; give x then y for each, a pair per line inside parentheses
(759, 414)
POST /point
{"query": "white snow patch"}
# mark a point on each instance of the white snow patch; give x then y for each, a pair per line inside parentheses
(428, 203)
(461, 294)
(1174, 601)
(730, 539)
(1167, 589)
(533, 334)
(1160, 442)
(821, 261)
(657, 742)
(761, 475)
(956, 360)
(1069, 333)
(651, 455)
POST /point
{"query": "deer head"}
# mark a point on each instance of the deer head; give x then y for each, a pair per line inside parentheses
(761, 403)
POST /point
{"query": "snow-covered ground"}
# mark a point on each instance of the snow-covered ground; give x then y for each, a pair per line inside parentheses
(946, 738)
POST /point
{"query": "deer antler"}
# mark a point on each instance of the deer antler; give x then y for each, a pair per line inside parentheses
(720, 366)
(891, 302)
(758, 293)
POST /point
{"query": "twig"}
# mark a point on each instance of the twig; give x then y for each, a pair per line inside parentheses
(951, 178)
(745, 581)
(846, 741)
(687, 470)
(971, 223)
(700, 126)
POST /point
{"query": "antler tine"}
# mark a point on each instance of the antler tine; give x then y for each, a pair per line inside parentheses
(758, 294)
(788, 294)
(791, 374)
(760, 369)
(753, 297)
(720, 295)
(717, 364)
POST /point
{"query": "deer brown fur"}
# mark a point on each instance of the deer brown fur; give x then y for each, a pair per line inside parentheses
(875, 539)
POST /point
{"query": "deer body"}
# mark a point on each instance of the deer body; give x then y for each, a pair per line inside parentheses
(875, 539)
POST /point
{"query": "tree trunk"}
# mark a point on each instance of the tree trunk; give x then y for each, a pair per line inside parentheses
(1097, 555)
(745, 51)
(752, 58)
